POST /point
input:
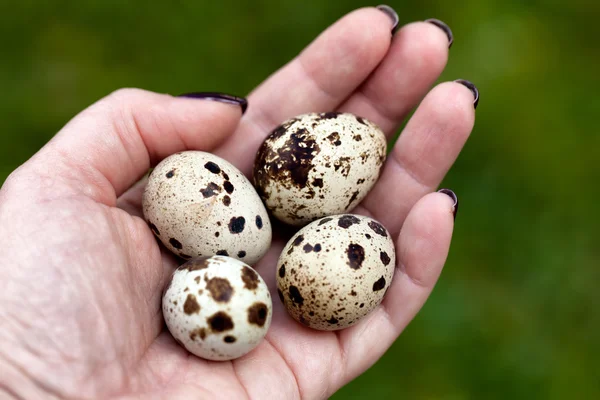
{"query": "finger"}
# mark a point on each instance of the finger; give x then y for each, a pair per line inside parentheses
(423, 154)
(422, 249)
(319, 79)
(416, 58)
(109, 146)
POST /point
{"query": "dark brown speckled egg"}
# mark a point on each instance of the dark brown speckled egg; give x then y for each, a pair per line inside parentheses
(218, 308)
(335, 271)
(318, 164)
(198, 204)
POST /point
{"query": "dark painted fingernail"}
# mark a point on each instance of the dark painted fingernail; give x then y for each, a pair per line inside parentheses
(222, 97)
(472, 88)
(442, 25)
(392, 14)
(453, 196)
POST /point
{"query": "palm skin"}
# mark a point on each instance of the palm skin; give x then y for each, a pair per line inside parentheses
(80, 309)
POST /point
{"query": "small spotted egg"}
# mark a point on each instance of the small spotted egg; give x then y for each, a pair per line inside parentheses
(335, 271)
(198, 204)
(217, 307)
(318, 164)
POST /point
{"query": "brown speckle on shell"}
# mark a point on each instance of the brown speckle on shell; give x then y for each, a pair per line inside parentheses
(250, 278)
(385, 258)
(175, 243)
(325, 220)
(380, 284)
(200, 332)
(212, 189)
(195, 264)
(212, 167)
(347, 221)
(229, 339)
(228, 187)
(220, 322)
(236, 225)
(257, 314)
(295, 295)
(354, 196)
(154, 229)
(191, 305)
(356, 255)
(361, 120)
(289, 165)
(377, 228)
(220, 289)
(334, 138)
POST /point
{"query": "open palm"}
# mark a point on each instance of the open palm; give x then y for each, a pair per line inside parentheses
(82, 274)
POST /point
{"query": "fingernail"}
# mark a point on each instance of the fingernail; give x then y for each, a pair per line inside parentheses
(442, 25)
(472, 88)
(221, 97)
(453, 196)
(392, 14)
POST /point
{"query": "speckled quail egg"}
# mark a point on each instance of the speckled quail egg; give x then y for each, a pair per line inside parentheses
(318, 164)
(335, 271)
(217, 307)
(198, 204)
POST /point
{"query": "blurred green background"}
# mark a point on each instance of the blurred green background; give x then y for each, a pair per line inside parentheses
(517, 311)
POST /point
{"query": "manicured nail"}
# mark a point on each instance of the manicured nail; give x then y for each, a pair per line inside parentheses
(453, 196)
(472, 88)
(221, 97)
(442, 25)
(392, 14)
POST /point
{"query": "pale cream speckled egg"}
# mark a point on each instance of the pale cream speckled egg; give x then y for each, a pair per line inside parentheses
(335, 271)
(217, 307)
(198, 204)
(318, 164)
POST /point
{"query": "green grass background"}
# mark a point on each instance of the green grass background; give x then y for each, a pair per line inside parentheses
(517, 311)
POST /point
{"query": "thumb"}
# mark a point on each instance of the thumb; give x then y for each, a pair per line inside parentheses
(112, 144)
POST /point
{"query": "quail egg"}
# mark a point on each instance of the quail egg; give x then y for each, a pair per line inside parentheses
(318, 164)
(198, 204)
(335, 271)
(217, 307)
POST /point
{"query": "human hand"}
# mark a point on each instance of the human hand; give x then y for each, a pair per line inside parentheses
(82, 275)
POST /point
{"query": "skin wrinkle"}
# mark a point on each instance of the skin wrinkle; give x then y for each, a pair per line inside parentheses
(41, 316)
(150, 158)
(237, 376)
(398, 163)
(88, 181)
(127, 134)
(298, 394)
(37, 384)
(100, 360)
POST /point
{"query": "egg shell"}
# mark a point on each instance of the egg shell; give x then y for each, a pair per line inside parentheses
(217, 307)
(198, 204)
(335, 271)
(318, 164)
